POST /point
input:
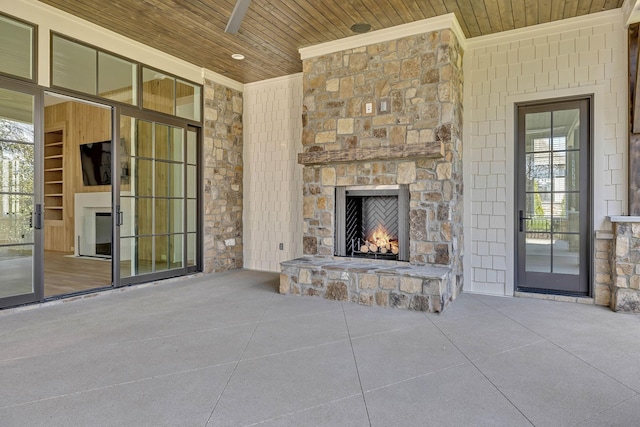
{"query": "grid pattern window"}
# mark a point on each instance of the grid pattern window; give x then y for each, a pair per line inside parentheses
(17, 48)
(154, 198)
(169, 95)
(88, 70)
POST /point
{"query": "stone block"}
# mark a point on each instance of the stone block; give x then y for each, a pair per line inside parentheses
(304, 276)
(328, 176)
(621, 282)
(443, 171)
(602, 295)
(420, 303)
(622, 246)
(325, 137)
(411, 285)
(308, 206)
(285, 285)
(398, 300)
(406, 172)
(627, 300)
(382, 299)
(634, 282)
(623, 268)
(337, 291)
(333, 85)
(365, 299)
(345, 126)
(389, 282)
(310, 245)
(368, 281)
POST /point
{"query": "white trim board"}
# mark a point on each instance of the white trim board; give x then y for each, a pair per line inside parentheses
(448, 21)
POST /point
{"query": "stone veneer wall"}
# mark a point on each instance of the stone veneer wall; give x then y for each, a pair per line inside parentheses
(421, 77)
(602, 271)
(222, 178)
(625, 258)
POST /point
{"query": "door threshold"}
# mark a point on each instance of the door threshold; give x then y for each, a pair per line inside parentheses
(544, 295)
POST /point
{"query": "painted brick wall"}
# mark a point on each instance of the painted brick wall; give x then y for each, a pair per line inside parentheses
(584, 55)
(272, 178)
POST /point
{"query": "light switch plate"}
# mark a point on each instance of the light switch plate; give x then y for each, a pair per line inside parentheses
(368, 108)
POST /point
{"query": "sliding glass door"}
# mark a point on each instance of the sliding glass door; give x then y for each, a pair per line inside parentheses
(20, 197)
(155, 199)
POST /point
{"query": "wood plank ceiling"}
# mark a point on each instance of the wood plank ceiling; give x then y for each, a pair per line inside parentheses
(273, 30)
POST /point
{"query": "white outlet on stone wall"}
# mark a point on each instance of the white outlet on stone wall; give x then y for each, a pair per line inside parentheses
(368, 108)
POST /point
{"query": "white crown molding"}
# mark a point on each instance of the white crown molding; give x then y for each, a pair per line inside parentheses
(223, 80)
(436, 23)
(631, 11)
(607, 17)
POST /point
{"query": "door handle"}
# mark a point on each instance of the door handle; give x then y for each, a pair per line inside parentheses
(119, 216)
(37, 224)
(521, 219)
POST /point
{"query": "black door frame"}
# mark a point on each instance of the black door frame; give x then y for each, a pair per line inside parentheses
(553, 282)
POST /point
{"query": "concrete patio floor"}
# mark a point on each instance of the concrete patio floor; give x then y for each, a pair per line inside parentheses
(227, 350)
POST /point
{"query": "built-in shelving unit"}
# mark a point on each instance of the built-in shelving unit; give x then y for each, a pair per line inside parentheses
(53, 173)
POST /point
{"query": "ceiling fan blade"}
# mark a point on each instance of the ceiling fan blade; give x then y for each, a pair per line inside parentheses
(236, 16)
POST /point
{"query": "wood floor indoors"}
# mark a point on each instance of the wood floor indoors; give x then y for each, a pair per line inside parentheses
(65, 274)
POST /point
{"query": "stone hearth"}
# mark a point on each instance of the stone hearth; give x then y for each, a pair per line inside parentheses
(416, 142)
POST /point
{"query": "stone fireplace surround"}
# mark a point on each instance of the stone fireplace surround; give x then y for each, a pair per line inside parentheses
(417, 143)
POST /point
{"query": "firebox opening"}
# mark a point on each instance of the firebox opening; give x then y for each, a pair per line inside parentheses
(372, 222)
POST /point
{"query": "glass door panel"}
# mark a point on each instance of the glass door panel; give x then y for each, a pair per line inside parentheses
(19, 240)
(153, 235)
(552, 200)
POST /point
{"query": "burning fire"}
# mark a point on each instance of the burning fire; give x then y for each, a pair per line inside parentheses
(380, 241)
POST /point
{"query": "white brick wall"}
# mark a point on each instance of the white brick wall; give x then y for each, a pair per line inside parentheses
(272, 177)
(581, 56)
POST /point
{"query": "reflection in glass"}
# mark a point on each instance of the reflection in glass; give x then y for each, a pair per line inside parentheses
(144, 216)
(16, 48)
(162, 253)
(177, 223)
(537, 131)
(192, 215)
(144, 139)
(176, 144)
(144, 255)
(162, 142)
(161, 185)
(191, 249)
(538, 252)
(192, 147)
(74, 66)
(192, 184)
(158, 91)
(566, 253)
(188, 100)
(176, 251)
(177, 187)
(538, 171)
(143, 172)
(161, 216)
(127, 256)
(16, 267)
(566, 125)
(117, 79)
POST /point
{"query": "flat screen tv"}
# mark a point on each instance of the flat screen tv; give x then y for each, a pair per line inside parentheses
(95, 159)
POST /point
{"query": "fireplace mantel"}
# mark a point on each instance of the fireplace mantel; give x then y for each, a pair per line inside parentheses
(426, 150)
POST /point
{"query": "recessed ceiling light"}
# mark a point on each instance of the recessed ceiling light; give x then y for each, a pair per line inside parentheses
(237, 56)
(361, 27)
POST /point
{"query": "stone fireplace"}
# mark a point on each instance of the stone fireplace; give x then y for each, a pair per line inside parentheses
(359, 156)
(372, 222)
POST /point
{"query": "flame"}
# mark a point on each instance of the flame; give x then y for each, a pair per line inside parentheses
(382, 239)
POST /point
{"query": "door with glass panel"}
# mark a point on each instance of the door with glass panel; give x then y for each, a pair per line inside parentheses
(20, 198)
(156, 212)
(552, 209)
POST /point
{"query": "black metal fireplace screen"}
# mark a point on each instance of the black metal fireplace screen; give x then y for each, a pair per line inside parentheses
(372, 222)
